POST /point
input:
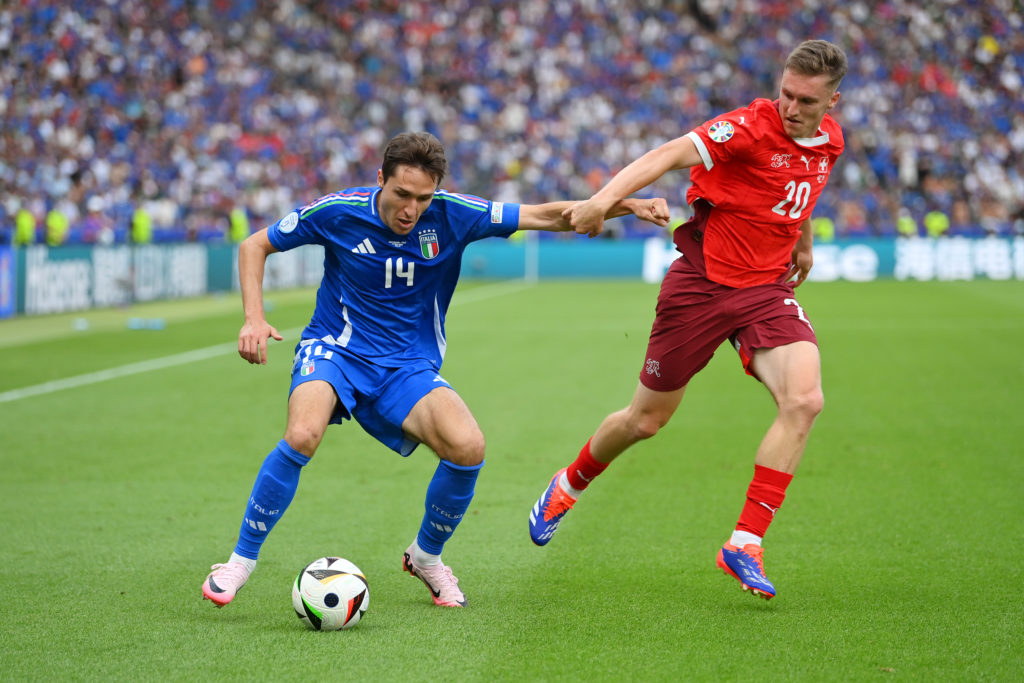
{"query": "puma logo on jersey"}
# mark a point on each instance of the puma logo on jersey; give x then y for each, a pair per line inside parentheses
(364, 247)
(807, 162)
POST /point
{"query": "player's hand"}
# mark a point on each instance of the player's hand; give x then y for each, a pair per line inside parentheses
(651, 210)
(586, 218)
(801, 266)
(253, 340)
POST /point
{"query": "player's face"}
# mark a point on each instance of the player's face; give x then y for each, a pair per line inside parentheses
(404, 197)
(803, 101)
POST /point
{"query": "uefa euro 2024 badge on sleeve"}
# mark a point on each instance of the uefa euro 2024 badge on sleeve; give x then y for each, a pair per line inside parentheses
(720, 131)
(289, 222)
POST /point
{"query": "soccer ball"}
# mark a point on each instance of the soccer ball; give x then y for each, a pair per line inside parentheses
(330, 594)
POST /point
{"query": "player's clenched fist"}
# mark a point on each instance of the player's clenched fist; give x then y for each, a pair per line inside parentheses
(587, 218)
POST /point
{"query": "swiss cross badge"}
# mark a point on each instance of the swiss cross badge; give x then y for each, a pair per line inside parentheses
(428, 244)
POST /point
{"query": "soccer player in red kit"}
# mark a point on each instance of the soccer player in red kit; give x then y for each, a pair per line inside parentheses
(756, 174)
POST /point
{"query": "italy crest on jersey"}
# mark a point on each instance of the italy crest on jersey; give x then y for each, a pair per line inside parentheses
(428, 244)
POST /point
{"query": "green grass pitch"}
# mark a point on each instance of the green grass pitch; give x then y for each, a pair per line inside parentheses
(897, 554)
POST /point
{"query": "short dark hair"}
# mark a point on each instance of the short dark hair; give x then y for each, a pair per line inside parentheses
(421, 150)
(816, 58)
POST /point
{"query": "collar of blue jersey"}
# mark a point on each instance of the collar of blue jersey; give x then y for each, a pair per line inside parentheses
(373, 202)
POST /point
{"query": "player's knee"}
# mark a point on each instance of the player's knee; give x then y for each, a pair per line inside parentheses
(465, 449)
(304, 438)
(813, 403)
(647, 425)
(804, 406)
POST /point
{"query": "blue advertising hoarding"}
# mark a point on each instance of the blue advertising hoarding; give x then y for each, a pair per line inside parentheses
(8, 282)
(41, 280)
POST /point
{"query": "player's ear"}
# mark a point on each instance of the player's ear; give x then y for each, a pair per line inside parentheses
(380, 177)
(835, 99)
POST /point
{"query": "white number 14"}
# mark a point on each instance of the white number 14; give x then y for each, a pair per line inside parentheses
(399, 271)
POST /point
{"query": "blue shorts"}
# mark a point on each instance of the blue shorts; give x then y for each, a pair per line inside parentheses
(379, 398)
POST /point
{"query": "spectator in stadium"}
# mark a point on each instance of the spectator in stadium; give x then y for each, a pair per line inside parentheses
(906, 225)
(756, 173)
(936, 223)
(824, 229)
(142, 226)
(96, 227)
(238, 222)
(25, 227)
(57, 224)
(170, 99)
(373, 349)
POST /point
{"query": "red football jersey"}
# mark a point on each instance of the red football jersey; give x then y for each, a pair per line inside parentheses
(763, 184)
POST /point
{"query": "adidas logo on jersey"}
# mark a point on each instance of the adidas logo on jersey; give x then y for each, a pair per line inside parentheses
(364, 247)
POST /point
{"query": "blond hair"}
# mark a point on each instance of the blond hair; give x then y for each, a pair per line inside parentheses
(816, 58)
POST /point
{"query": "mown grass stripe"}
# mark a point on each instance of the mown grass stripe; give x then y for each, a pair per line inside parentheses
(477, 294)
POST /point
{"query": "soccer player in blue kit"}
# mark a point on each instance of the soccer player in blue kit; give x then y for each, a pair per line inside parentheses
(374, 347)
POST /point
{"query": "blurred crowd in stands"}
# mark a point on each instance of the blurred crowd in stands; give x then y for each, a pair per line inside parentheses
(125, 120)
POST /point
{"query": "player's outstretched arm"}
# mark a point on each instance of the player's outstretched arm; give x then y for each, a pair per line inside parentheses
(588, 217)
(554, 216)
(256, 331)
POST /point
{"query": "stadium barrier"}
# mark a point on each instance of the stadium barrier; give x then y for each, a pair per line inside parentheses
(952, 258)
(39, 280)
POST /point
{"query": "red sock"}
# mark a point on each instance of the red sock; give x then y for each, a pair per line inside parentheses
(584, 468)
(764, 498)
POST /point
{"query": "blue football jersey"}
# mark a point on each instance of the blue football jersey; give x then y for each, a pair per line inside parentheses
(384, 296)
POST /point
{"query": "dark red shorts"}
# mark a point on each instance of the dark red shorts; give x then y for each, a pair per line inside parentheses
(695, 315)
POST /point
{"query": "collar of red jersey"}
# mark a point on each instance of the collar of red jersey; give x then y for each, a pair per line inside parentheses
(817, 141)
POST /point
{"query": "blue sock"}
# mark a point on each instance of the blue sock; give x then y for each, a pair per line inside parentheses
(274, 489)
(448, 498)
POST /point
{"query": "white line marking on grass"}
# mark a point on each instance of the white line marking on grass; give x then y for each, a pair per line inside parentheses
(490, 291)
(473, 295)
(113, 373)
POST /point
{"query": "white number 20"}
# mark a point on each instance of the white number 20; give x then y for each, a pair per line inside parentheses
(798, 195)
